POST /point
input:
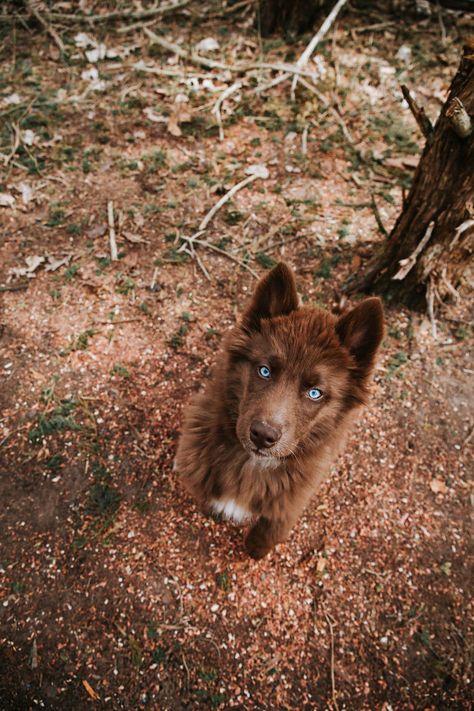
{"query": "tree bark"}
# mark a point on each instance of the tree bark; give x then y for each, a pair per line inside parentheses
(430, 248)
(291, 17)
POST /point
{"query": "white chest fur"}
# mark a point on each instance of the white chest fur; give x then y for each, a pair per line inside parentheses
(230, 509)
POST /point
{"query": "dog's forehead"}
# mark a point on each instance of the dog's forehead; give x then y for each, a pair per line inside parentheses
(302, 340)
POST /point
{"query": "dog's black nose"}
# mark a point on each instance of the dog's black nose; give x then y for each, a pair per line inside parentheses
(264, 436)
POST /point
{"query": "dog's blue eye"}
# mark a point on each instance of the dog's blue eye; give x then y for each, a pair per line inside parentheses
(264, 371)
(314, 394)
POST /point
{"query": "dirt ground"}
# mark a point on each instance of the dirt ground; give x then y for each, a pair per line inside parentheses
(116, 592)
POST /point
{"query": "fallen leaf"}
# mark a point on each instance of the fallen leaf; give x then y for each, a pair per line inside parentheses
(438, 486)
(446, 567)
(404, 53)
(26, 192)
(153, 116)
(99, 52)
(12, 99)
(356, 262)
(83, 40)
(96, 231)
(133, 238)
(54, 263)
(131, 259)
(28, 137)
(93, 694)
(6, 200)
(209, 44)
(321, 564)
(179, 114)
(32, 264)
(260, 170)
(92, 279)
(402, 162)
(90, 74)
(34, 655)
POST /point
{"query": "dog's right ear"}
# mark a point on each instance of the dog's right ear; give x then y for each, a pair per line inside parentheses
(275, 295)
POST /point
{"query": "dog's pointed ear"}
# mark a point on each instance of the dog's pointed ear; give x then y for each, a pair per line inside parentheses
(361, 330)
(275, 295)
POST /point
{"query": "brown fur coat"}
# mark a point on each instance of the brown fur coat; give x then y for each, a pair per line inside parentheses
(260, 438)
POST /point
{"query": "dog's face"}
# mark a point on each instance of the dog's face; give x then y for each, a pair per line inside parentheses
(294, 372)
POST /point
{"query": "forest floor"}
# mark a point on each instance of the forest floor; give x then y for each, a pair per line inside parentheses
(115, 592)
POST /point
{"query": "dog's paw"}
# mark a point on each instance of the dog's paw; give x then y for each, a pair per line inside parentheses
(256, 547)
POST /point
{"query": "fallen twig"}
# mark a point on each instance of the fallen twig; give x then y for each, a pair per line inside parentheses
(117, 323)
(180, 52)
(204, 243)
(48, 27)
(112, 240)
(333, 676)
(469, 437)
(372, 28)
(14, 287)
(225, 198)
(304, 140)
(106, 17)
(15, 144)
(217, 106)
(325, 27)
(283, 242)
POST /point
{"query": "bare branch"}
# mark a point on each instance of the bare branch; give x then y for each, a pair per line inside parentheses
(406, 265)
(155, 11)
(419, 113)
(323, 30)
(217, 106)
(180, 52)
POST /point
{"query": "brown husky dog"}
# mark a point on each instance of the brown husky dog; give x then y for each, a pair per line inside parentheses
(260, 438)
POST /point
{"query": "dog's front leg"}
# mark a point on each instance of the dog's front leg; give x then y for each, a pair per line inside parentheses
(264, 535)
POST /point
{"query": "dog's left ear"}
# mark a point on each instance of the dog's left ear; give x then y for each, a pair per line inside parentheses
(361, 330)
(275, 295)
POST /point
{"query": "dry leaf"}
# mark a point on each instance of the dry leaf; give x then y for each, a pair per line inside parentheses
(93, 694)
(96, 231)
(438, 486)
(356, 262)
(28, 137)
(403, 162)
(89, 276)
(179, 114)
(34, 655)
(153, 116)
(134, 238)
(321, 565)
(54, 263)
(26, 192)
(259, 170)
(6, 200)
(12, 99)
(32, 264)
(209, 44)
(83, 40)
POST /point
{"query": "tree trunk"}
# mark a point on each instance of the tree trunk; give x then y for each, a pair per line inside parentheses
(292, 17)
(429, 250)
